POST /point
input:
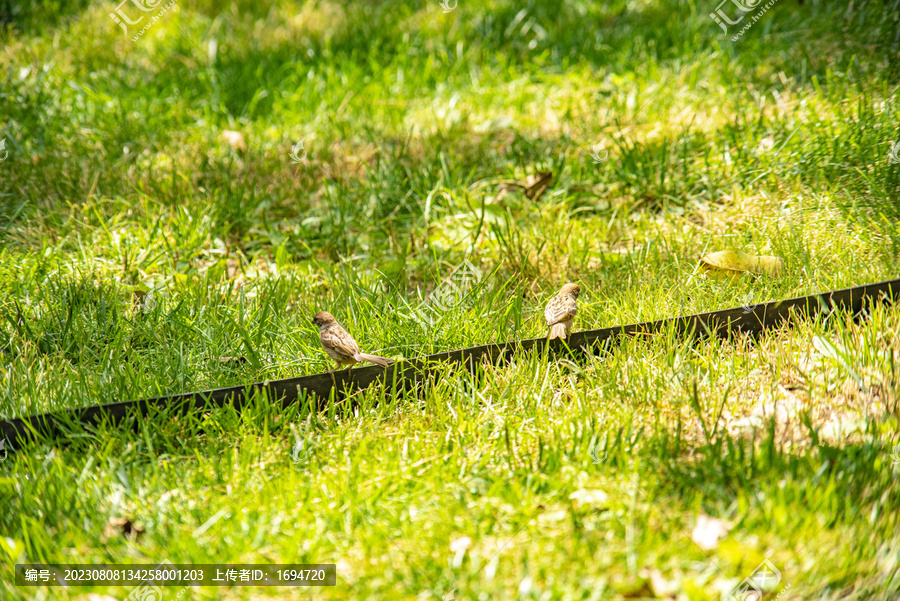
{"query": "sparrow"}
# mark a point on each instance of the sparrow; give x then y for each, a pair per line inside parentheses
(339, 344)
(560, 312)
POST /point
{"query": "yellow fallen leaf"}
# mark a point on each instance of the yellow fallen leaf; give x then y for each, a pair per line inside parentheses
(735, 263)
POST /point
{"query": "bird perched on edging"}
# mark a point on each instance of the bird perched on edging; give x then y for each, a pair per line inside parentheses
(560, 312)
(339, 344)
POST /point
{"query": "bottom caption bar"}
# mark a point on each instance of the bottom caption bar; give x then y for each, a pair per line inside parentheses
(169, 574)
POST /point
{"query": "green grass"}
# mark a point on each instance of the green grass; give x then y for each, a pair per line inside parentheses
(137, 248)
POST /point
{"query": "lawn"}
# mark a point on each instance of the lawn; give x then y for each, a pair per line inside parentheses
(159, 215)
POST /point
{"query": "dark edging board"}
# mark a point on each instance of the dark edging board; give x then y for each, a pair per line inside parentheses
(406, 374)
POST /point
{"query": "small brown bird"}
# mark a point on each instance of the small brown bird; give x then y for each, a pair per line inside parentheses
(560, 312)
(339, 344)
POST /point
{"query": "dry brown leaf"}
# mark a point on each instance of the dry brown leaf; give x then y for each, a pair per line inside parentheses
(589, 496)
(663, 588)
(460, 544)
(235, 139)
(138, 297)
(119, 526)
(766, 144)
(459, 548)
(535, 185)
(708, 531)
(232, 360)
(638, 590)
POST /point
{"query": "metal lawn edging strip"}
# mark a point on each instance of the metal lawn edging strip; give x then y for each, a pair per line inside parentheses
(410, 373)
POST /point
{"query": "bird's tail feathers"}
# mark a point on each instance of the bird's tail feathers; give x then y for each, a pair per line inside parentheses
(557, 331)
(372, 359)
